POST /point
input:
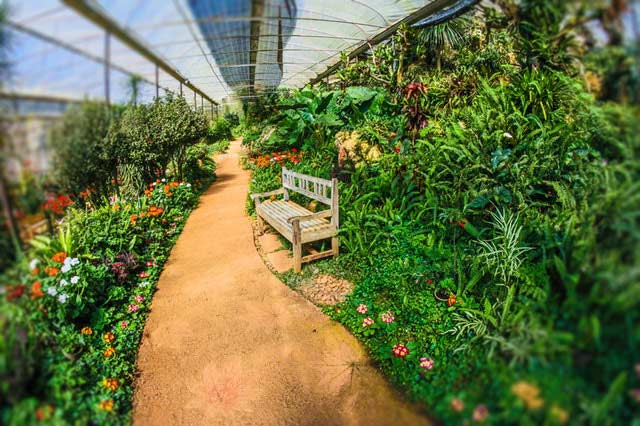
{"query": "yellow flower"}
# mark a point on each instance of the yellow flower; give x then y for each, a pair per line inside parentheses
(528, 393)
(87, 331)
(561, 415)
(106, 405)
(109, 352)
(108, 337)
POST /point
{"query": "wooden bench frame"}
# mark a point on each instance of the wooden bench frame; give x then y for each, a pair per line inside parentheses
(297, 224)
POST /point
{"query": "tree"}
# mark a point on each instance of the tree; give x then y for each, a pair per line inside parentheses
(133, 87)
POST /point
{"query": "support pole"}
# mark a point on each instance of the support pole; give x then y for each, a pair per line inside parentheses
(107, 69)
(180, 89)
(211, 111)
(202, 104)
(157, 82)
(195, 101)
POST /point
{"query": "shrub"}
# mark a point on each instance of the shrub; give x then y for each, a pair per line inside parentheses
(219, 130)
(149, 137)
(82, 158)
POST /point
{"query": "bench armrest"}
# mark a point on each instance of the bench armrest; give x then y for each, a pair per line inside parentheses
(267, 194)
(319, 215)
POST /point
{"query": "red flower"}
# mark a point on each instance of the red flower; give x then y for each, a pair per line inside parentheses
(15, 292)
(294, 150)
(397, 149)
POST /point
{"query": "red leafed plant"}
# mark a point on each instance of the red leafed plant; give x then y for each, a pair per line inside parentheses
(416, 117)
(56, 205)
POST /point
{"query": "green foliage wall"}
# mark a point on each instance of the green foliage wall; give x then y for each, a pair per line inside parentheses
(503, 181)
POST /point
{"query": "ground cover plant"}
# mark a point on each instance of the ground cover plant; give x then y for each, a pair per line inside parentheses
(489, 212)
(74, 304)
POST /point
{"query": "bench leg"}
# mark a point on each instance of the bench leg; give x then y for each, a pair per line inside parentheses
(261, 225)
(297, 246)
(297, 258)
(335, 246)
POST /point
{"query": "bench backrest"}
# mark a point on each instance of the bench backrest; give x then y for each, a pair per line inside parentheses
(323, 190)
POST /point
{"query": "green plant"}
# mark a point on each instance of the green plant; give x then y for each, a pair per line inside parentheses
(82, 159)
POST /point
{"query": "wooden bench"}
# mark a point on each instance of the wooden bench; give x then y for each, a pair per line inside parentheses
(294, 222)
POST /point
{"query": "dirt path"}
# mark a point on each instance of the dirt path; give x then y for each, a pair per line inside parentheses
(227, 343)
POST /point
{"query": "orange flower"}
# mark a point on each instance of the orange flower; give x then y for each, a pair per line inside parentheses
(59, 257)
(87, 331)
(52, 272)
(174, 184)
(133, 218)
(109, 352)
(155, 211)
(106, 405)
(44, 412)
(36, 290)
(35, 271)
(452, 300)
(108, 337)
(111, 384)
(115, 207)
(148, 192)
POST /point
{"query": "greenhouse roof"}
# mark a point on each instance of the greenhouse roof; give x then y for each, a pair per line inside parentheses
(215, 48)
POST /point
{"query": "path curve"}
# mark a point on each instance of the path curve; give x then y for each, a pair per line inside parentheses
(226, 343)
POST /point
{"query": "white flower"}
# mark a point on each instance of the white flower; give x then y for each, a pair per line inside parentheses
(188, 185)
(143, 284)
(52, 291)
(65, 268)
(33, 264)
(507, 135)
(63, 298)
(154, 184)
(164, 180)
(63, 282)
(74, 280)
(74, 261)
(3, 290)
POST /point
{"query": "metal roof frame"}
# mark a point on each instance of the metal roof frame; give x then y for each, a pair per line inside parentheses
(93, 13)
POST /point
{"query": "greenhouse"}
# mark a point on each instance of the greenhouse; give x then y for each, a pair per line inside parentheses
(305, 212)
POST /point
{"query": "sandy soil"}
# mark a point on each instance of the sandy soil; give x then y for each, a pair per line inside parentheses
(227, 343)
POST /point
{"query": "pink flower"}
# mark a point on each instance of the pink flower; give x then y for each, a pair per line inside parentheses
(426, 363)
(149, 263)
(362, 308)
(124, 324)
(400, 350)
(143, 275)
(387, 317)
(367, 322)
(133, 307)
(635, 394)
(480, 413)
(637, 367)
(138, 298)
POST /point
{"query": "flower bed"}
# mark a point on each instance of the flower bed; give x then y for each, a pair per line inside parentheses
(74, 314)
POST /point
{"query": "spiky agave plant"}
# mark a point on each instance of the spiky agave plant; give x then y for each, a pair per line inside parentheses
(504, 252)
